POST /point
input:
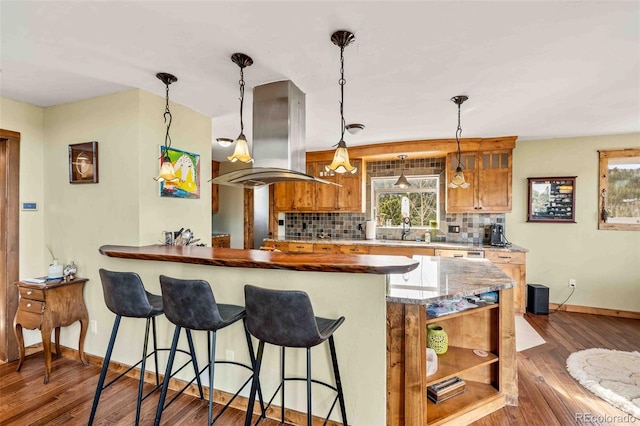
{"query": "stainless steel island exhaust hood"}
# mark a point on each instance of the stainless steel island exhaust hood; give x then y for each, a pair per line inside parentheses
(278, 139)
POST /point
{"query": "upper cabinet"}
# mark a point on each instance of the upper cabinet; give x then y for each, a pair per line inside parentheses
(294, 196)
(489, 176)
(316, 197)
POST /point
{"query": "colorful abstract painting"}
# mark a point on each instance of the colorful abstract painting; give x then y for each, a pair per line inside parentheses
(187, 169)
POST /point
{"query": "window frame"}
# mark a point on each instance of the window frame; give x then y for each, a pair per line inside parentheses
(604, 157)
(437, 190)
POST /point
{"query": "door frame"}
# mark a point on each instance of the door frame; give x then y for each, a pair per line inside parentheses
(9, 241)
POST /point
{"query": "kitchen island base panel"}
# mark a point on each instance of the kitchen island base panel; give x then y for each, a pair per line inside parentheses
(359, 297)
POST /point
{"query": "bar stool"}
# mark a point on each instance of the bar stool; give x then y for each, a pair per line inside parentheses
(125, 296)
(285, 318)
(190, 304)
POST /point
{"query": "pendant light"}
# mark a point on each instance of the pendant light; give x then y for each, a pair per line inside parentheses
(167, 173)
(402, 181)
(341, 162)
(458, 177)
(241, 152)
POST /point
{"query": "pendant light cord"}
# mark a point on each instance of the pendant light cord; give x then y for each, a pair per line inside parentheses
(241, 82)
(167, 113)
(458, 135)
(342, 82)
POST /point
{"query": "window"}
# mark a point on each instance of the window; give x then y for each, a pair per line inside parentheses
(619, 193)
(423, 199)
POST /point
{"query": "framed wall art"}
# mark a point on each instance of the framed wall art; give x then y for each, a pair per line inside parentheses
(552, 199)
(83, 162)
(187, 169)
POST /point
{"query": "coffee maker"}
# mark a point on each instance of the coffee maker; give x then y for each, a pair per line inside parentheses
(497, 237)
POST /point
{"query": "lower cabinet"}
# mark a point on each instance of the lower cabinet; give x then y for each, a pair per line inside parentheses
(223, 241)
(514, 265)
(491, 380)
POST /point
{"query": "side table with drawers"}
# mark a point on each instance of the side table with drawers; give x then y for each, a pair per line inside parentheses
(48, 307)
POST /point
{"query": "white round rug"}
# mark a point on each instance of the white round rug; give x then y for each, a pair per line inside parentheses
(612, 375)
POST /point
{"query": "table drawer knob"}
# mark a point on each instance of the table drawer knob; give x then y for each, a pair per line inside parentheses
(28, 305)
(29, 292)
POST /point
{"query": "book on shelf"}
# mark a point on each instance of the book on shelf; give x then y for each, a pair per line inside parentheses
(446, 389)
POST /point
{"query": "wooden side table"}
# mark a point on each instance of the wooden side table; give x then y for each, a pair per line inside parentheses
(50, 306)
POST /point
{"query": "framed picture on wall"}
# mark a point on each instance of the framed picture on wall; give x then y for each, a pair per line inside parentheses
(552, 199)
(83, 162)
(187, 169)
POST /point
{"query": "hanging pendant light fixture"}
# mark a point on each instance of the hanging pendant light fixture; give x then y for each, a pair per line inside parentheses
(458, 177)
(241, 152)
(341, 162)
(402, 181)
(167, 173)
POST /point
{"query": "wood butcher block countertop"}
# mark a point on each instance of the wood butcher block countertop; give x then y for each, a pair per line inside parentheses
(316, 262)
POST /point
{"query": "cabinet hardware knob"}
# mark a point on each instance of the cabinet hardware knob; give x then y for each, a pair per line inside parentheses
(28, 305)
(29, 292)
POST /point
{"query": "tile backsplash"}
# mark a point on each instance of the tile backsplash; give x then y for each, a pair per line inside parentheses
(351, 226)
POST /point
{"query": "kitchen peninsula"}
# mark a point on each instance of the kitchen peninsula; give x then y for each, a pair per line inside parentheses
(380, 386)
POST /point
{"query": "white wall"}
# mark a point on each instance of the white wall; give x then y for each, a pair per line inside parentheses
(606, 264)
(230, 216)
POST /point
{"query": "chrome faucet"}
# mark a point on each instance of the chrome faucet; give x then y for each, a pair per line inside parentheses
(406, 227)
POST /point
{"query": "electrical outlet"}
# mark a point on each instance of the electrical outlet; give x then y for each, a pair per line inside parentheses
(229, 355)
(572, 282)
(93, 325)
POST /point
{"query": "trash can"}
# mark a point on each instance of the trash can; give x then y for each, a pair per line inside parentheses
(538, 299)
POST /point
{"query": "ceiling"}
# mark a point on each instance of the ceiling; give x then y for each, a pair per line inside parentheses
(538, 69)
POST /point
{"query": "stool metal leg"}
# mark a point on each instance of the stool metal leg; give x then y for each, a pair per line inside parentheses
(212, 363)
(167, 375)
(336, 373)
(309, 387)
(252, 358)
(155, 349)
(105, 367)
(254, 384)
(142, 369)
(282, 381)
(194, 361)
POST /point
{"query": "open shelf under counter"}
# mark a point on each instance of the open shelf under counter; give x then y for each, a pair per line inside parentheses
(431, 320)
(457, 361)
(476, 396)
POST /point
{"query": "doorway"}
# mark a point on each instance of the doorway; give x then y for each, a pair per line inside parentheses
(9, 240)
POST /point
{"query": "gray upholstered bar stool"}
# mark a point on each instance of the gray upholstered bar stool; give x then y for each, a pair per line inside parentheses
(125, 296)
(190, 304)
(285, 318)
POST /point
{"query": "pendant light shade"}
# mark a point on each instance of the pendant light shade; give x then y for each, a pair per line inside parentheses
(340, 163)
(241, 152)
(167, 172)
(457, 181)
(402, 181)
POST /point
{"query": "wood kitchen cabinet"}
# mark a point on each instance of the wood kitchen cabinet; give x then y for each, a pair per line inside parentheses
(314, 197)
(215, 199)
(221, 241)
(294, 196)
(514, 265)
(489, 175)
(344, 198)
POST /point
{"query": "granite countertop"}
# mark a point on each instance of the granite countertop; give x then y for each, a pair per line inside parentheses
(400, 243)
(216, 234)
(442, 278)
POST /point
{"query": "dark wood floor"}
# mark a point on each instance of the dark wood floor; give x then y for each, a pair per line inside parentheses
(548, 395)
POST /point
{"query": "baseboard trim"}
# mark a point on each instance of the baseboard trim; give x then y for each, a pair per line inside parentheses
(595, 311)
(219, 397)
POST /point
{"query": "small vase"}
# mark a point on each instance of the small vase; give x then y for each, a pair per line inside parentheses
(437, 339)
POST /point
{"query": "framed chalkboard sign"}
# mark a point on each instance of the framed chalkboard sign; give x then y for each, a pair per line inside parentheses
(552, 199)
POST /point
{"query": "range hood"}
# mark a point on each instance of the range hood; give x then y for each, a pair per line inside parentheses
(278, 139)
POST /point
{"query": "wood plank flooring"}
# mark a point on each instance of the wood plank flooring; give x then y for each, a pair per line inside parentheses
(548, 394)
